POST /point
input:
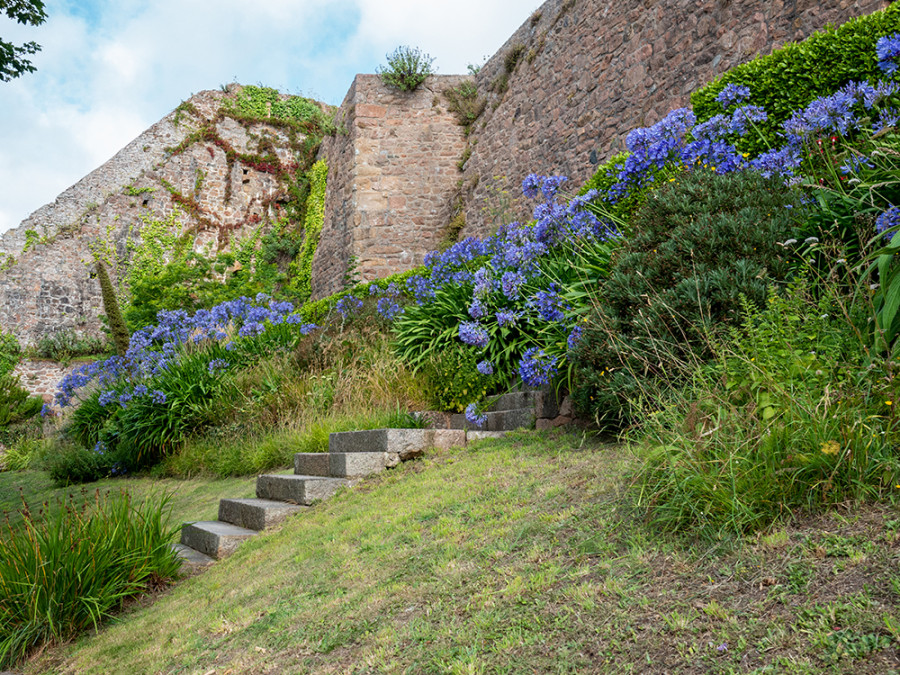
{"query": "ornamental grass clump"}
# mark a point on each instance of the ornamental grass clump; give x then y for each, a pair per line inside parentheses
(792, 413)
(67, 570)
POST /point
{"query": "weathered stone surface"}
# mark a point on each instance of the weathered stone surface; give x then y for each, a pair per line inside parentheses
(544, 423)
(190, 558)
(297, 489)
(49, 286)
(502, 420)
(514, 400)
(311, 464)
(356, 464)
(214, 538)
(566, 408)
(40, 377)
(255, 514)
(405, 443)
(444, 439)
(391, 180)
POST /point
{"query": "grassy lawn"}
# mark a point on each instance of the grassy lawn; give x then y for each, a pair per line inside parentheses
(194, 499)
(510, 557)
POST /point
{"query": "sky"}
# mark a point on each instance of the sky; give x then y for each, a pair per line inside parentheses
(111, 68)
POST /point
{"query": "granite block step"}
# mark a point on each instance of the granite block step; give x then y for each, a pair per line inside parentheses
(502, 420)
(191, 557)
(297, 489)
(311, 464)
(255, 514)
(214, 538)
(358, 464)
(403, 443)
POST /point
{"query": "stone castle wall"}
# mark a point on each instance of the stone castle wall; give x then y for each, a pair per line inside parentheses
(391, 179)
(50, 286)
(591, 70)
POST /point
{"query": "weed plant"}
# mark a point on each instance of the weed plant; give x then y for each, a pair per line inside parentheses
(65, 572)
(65, 345)
(407, 68)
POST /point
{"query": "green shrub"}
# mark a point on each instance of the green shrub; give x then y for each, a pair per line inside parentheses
(791, 77)
(16, 405)
(10, 352)
(301, 267)
(451, 379)
(699, 244)
(789, 415)
(70, 464)
(64, 573)
(465, 103)
(406, 69)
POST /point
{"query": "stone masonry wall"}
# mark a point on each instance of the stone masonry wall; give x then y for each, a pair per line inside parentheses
(591, 70)
(40, 377)
(392, 176)
(49, 287)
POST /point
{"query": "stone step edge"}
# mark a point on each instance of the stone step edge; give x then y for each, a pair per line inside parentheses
(204, 532)
(247, 509)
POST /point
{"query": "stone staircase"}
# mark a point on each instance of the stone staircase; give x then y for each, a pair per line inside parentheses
(351, 456)
(515, 410)
(317, 476)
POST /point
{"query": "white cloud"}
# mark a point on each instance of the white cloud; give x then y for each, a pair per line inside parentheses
(108, 70)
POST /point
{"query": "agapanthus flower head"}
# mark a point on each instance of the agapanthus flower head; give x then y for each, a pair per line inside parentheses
(744, 118)
(550, 186)
(887, 221)
(854, 163)
(474, 334)
(388, 308)
(887, 49)
(733, 93)
(536, 367)
(531, 185)
(474, 417)
(476, 309)
(507, 317)
(485, 367)
(348, 305)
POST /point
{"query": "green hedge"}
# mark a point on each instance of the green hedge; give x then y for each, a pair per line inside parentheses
(791, 77)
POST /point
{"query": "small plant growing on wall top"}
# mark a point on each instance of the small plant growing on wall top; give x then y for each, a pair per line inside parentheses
(407, 68)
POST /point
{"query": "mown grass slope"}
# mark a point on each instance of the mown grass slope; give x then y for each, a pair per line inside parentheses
(517, 556)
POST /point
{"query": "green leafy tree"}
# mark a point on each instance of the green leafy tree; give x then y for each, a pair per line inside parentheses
(12, 58)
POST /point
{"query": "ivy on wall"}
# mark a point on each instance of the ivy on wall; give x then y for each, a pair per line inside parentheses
(301, 267)
(274, 257)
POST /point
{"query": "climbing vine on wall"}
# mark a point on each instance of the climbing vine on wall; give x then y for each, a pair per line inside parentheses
(301, 268)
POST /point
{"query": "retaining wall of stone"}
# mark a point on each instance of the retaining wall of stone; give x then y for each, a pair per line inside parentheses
(392, 177)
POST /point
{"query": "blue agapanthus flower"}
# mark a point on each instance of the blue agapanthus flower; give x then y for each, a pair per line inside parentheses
(733, 93)
(485, 367)
(887, 49)
(888, 220)
(537, 368)
(474, 334)
(474, 417)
